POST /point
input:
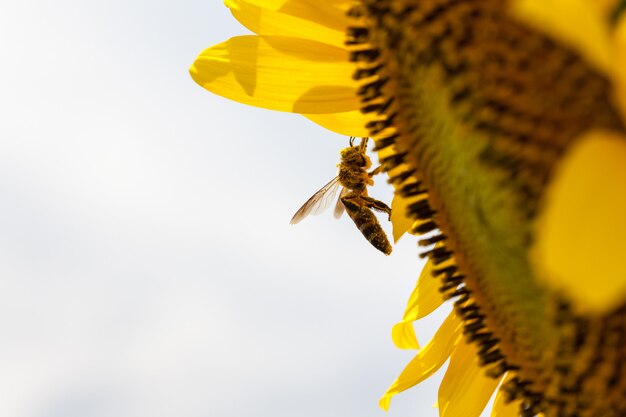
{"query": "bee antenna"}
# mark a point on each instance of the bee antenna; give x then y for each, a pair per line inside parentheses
(351, 141)
(363, 144)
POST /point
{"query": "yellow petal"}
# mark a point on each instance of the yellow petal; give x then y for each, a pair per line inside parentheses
(580, 24)
(465, 389)
(425, 297)
(428, 360)
(350, 123)
(296, 18)
(279, 73)
(424, 300)
(620, 63)
(308, 9)
(501, 408)
(580, 245)
(400, 221)
(403, 335)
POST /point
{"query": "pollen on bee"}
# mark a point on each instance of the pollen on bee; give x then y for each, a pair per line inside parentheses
(354, 177)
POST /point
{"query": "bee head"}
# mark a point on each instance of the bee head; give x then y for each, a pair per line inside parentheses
(355, 156)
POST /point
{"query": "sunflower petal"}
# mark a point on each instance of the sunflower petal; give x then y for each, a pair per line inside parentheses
(427, 361)
(403, 335)
(399, 220)
(279, 73)
(502, 408)
(350, 123)
(313, 10)
(581, 24)
(580, 236)
(465, 389)
(297, 18)
(424, 300)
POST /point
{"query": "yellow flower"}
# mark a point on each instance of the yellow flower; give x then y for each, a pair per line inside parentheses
(499, 125)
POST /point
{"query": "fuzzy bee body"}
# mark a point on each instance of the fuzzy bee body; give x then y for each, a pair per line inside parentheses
(354, 199)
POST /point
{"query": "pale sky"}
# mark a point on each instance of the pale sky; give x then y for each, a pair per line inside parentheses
(147, 264)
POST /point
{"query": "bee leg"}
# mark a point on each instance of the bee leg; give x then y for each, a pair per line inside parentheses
(377, 205)
(375, 171)
(362, 149)
(351, 202)
(350, 197)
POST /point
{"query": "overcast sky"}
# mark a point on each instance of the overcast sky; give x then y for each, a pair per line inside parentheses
(147, 264)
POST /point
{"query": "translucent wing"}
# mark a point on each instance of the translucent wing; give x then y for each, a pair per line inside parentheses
(339, 207)
(319, 201)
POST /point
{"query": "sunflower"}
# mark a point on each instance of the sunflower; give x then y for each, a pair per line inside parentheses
(501, 126)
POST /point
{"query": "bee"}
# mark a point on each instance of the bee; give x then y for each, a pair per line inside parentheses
(353, 179)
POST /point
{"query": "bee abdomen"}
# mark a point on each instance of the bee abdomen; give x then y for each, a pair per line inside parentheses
(369, 226)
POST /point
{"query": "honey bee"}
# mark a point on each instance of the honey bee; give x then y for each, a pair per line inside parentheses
(353, 179)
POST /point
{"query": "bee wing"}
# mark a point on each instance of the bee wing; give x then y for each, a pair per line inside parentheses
(339, 207)
(318, 202)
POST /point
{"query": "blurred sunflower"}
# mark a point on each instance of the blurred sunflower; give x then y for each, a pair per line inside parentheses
(501, 126)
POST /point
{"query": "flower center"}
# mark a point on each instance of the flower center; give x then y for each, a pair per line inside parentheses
(479, 110)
